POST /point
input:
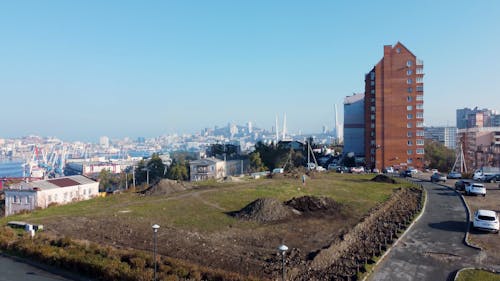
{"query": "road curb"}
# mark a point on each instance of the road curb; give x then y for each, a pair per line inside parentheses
(473, 268)
(400, 237)
(467, 211)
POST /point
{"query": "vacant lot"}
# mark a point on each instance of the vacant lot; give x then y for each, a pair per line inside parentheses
(196, 224)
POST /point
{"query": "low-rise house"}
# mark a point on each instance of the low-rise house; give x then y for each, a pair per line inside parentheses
(207, 168)
(40, 194)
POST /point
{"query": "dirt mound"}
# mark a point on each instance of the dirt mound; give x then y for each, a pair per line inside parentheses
(264, 210)
(166, 186)
(383, 178)
(313, 204)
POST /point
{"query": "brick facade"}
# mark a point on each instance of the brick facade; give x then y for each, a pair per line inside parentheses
(394, 132)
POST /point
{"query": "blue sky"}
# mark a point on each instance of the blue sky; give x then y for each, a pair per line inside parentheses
(83, 69)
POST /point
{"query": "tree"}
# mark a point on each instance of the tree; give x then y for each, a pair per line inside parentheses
(104, 179)
(256, 164)
(178, 171)
(438, 156)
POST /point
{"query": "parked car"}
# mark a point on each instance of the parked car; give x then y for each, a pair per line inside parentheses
(388, 170)
(454, 175)
(486, 220)
(460, 185)
(492, 178)
(405, 173)
(437, 177)
(434, 171)
(342, 169)
(475, 189)
(357, 170)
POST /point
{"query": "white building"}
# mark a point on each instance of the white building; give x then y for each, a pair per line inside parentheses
(208, 168)
(40, 194)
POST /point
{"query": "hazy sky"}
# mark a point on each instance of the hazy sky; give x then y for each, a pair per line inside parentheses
(84, 69)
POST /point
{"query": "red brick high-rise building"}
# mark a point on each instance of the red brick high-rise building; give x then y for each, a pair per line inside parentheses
(394, 113)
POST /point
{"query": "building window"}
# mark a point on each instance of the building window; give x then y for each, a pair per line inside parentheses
(420, 106)
(409, 161)
(410, 89)
(372, 142)
(408, 125)
(420, 133)
(372, 133)
(420, 88)
(409, 134)
(420, 151)
(398, 50)
(420, 115)
(409, 107)
(372, 125)
(372, 75)
(410, 142)
(409, 98)
(409, 116)
(49, 198)
(420, 97)
(420, 142)
(409, 63)
(409, 72)
(372, 116)
(373, 100)
(409, 152)
(372, 91)
(409, 81)
(420, 124)
(372, 151)
(420, 70)
(372, 83)
(420, 79)
(372, 108)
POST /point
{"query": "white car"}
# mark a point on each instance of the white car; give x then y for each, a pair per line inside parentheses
(486, 220)
(475, 188)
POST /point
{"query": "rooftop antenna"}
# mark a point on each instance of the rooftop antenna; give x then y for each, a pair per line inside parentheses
(284, 127)
(277, 130)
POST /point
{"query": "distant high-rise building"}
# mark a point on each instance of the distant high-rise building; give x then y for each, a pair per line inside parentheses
(445, 135)
(104, 141)
(354, 125)
(394, 114)
(477, 118)
(249, 127)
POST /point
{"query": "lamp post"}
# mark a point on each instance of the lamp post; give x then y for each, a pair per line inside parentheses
(155, 234)
(283, 248)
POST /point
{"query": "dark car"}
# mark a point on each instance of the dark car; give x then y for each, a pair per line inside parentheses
(460, 185)
(437, 177)
(492, 178)
(405, 173)
(342, 169)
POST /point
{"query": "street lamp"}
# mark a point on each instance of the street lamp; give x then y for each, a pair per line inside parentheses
(155, 234)
(283, 248)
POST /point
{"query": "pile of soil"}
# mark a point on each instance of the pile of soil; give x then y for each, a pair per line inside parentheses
(313, 204)
(264, 210)
(269, 209)
(383, 178)
(166, 186)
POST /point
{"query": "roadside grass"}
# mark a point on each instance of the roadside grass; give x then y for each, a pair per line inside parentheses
(477, 275)
(205, 207)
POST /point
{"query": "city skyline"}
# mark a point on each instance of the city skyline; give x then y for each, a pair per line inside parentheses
(79, 71)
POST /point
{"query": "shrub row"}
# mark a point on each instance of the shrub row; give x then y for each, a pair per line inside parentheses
(104, 262)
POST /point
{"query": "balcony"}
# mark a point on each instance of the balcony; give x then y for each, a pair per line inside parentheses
(420, 62)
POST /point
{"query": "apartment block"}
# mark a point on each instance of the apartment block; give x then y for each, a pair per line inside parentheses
(394, 114)
(445, 135)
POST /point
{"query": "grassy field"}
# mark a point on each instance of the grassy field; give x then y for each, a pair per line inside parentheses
(209, 202)
(477, 275)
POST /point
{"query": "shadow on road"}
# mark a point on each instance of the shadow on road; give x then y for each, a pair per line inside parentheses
(456, 226)
(446, 194)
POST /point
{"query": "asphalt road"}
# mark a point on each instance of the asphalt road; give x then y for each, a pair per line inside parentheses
(12, 270)
(433, 249)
